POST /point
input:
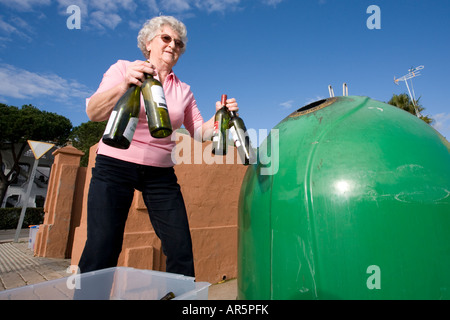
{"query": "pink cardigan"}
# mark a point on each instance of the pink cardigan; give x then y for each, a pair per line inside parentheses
(145, 149)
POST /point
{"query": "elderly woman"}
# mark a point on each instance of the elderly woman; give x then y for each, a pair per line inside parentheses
(147, 165)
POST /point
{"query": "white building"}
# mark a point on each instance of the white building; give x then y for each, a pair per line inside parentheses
(16, 191)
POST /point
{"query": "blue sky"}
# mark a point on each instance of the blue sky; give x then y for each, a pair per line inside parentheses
(274, 56)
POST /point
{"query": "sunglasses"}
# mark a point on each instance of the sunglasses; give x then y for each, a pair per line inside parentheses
(168, 39)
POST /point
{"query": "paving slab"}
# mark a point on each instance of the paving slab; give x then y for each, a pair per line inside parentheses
(19, 267)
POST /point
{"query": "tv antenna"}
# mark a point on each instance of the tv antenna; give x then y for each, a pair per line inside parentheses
(413, 72)
(344, 90)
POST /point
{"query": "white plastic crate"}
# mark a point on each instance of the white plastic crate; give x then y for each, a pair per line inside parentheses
(119, 283)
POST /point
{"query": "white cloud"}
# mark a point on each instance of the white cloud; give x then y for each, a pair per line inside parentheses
(6, 27)
(442, 123)
(100, 19)
(22, 84)
(64, 4)
(99, 14)
(175, 5)
(19, 22)
(181, 6)
(311, 100)
(108, 14)
(287, 105)
(109, 6)
(96, 14)
(216, 5)
(25, 5)
(14, 28)
(153, 5)
(272, 2)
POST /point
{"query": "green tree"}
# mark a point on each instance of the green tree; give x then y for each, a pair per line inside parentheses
(403, 101)
(85, 136)
(17, 125)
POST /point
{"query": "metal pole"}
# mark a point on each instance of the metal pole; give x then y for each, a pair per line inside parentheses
(344, 90)
(412, 100)
(330, 90)
(25, 202)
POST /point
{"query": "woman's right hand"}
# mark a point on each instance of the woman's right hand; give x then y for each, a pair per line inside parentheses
(101, 104)
(135, 72)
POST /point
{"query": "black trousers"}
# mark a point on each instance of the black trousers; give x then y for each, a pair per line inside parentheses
(110, 196)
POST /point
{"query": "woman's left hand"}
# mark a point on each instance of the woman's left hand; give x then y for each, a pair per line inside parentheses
(231, 105)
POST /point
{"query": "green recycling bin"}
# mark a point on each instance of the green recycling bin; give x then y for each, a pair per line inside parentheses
(350, 199)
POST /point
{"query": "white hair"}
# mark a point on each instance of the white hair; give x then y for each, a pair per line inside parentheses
(151, 28)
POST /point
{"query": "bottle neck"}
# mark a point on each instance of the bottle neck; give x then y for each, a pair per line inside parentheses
(146, 75)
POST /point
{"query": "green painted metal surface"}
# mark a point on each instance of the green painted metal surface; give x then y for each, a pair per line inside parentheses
(358, 207)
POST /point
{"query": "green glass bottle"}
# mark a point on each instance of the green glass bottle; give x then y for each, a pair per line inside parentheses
(156, 108)
(221, 121)
(168, 296)
(241, 139)
(123, 119)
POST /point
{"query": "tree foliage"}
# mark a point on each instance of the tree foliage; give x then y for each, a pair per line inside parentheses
(403, 101)
(85, 136)
(17, 125)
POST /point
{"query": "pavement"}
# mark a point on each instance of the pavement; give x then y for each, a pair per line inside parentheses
(19, 267)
